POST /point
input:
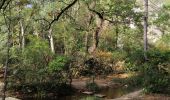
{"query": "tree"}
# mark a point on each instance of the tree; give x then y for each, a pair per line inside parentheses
(8, 24)
(145, 29)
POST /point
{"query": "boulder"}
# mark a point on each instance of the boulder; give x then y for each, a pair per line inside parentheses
(87, 92)
(100, 95)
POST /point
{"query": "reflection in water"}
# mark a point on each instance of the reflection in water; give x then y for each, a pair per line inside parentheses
(90, 98)
(82, 97)
(110, 93)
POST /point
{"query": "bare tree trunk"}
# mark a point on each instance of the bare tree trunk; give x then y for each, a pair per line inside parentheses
(22, 35)
(145, 29)
(51, 41)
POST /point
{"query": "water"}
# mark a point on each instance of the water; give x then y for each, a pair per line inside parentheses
(110, 93)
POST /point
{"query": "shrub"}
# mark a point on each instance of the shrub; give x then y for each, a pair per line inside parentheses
(59, 69)
(58, 64)
(156, 72)
(103, 63)
(30, 64)
(133, 60)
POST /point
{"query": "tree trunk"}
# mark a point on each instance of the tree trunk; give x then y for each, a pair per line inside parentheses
(22, 44)
(96, 36)
(51, 40)
(7, 57)
(145, 29)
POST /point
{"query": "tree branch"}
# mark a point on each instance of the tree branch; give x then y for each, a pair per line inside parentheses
(96, 12)
(2, 4)
(101, 16)
(62, 11)
(6, 5)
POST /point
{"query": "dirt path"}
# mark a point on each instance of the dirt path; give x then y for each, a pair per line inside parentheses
(80, 84)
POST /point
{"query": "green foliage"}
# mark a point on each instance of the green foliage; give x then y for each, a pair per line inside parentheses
(119, 55)
(156, 71)
(30, 64)
(134, 81)
(58, 64)
(134, 59)
(34, 71)
(74, 35)
(154, 74)
(164, 43)
(162, 19)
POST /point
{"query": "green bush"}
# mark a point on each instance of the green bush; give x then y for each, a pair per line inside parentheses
(58, 64)
(118, 55)
(60, 70)
(33, 67)
(134, 60)
(156, 74)
(30, 64)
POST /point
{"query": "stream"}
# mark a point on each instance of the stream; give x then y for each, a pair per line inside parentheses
(110, 93)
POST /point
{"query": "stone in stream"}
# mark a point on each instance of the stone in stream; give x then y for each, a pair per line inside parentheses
(87, 92)
(10, 98)
(100, 95)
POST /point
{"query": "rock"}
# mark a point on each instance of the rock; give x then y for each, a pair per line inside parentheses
(126, 85)
(10, 98)
(87, 92)
(100, 95)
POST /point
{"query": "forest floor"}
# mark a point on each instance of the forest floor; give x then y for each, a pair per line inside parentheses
(105, 82)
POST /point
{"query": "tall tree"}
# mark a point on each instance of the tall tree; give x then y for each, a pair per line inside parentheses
(145, 28)
(8, 25)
